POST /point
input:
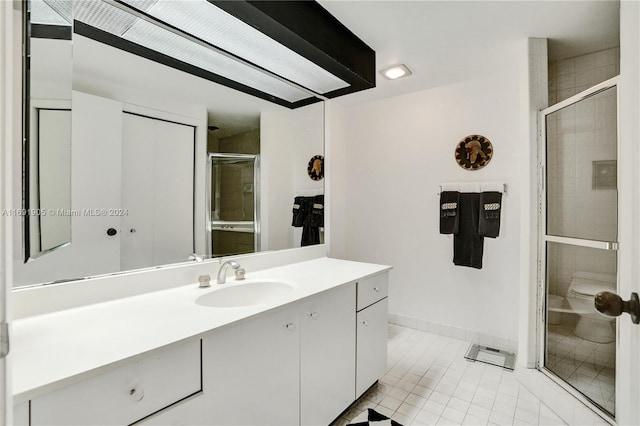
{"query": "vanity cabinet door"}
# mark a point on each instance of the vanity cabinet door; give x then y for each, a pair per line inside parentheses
(251, 371)
(327, 355)
(371, 345)
(21, 414)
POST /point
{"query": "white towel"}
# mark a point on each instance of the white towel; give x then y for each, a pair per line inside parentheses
(474, 187)
(470, 187)
(449, 187)
(492, 187)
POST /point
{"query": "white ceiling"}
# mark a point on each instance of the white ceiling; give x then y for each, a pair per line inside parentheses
(444, 42)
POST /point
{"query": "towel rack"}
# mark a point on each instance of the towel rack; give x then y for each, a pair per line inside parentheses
(473, 187)
(308, 192)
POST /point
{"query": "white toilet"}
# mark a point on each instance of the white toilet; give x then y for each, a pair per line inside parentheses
(591, 325)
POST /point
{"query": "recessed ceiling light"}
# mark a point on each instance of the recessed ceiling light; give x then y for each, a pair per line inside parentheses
(396, 72)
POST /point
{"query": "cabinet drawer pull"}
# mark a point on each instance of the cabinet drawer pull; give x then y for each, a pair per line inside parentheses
(314, 315)
(365, 323)
(290, 327)
(376, 289)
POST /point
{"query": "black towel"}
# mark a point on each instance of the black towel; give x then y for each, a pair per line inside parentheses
(299, 213)
(310, 236)
(490, 207)
(468, 246)
(317, 211)
(308, 213)
(449, 219)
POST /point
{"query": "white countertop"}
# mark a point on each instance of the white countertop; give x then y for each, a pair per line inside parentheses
(54, 350)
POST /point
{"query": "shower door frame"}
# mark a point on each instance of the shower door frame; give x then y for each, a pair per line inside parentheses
(256, 197)
(543, 239)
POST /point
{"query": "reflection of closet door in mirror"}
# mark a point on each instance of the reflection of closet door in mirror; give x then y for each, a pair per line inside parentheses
(95, 184)
(53, 181)
(157, 192)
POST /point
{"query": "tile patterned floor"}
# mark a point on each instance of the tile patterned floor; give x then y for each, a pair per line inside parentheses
(587, 366)
(428, 382)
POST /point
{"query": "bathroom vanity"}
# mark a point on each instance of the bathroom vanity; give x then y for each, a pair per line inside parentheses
(299, 356)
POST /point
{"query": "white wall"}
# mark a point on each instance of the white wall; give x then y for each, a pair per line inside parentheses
(336, 172)
(398, 151)
(50, 72)
(288, 140)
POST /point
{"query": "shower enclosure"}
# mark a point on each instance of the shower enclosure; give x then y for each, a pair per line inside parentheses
(233, 204)
(578, 243)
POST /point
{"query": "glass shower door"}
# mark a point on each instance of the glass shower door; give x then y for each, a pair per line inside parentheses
(579, 258)
(233, 204)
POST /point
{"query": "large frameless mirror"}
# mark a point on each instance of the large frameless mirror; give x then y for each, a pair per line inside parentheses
(139, 138)
(47, 126)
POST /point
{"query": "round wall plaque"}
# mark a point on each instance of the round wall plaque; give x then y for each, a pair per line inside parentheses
(315, 168)
(474, 152)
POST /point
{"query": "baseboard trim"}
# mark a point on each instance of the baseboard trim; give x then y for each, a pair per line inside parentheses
(449, 330)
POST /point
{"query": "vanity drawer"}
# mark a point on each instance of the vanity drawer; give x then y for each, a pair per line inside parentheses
(372, 289)
(126, 394)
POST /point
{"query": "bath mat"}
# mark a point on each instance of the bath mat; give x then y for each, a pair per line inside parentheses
(504, 359)
(371, 417)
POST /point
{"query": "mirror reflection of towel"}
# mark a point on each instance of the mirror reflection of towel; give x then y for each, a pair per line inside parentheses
(300, 211)
(317, 211)
(308, 213)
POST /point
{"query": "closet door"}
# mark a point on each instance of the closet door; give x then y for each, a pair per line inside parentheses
(96, 170)
(138, 199)
(173, 212)
(157, 192)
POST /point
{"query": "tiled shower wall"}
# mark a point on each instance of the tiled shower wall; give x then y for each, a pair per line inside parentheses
(580, 139)
(573, 75)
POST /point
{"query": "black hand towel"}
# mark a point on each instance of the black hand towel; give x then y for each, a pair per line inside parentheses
(317, 211)
(300, 212)
(310, 236)
(490, 208)
(468, 246)
(449, 218)
(308, 213)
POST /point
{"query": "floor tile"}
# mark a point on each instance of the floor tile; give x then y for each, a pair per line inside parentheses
(428, 382)
(390, 402)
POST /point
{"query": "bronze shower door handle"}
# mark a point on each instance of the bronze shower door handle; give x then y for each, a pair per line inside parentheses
(612, 305)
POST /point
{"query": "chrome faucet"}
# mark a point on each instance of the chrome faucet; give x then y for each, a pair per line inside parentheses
(222, 273)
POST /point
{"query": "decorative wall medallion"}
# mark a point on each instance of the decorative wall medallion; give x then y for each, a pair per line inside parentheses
(474, 152)
(315, 169)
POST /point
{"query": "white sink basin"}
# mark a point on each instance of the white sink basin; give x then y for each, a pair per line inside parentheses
(233, 295)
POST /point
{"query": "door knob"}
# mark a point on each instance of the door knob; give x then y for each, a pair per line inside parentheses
(612, 305)
(111, 232)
